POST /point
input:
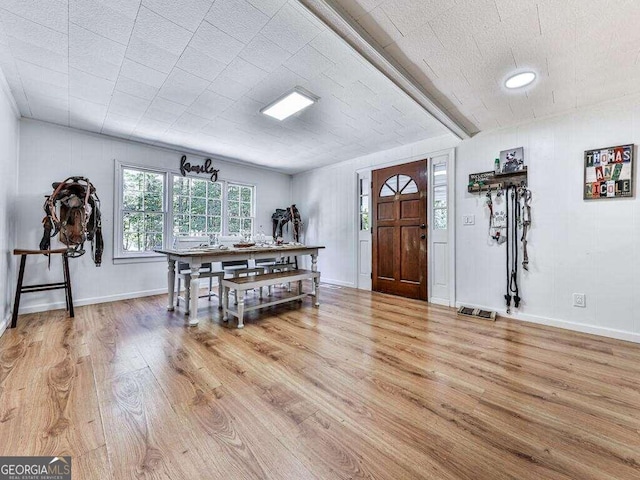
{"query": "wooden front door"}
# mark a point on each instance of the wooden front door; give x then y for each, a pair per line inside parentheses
(399, 206)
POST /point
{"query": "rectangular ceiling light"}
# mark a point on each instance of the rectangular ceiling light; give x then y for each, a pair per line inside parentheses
(290, 103)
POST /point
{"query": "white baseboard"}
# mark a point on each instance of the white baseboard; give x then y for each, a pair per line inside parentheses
(564, 324)
(43, 307)
(5, 323)
(337, 282)
(439, 301)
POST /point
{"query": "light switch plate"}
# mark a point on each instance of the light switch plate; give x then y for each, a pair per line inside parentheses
(468, 219)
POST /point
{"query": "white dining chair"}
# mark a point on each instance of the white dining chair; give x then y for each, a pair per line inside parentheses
(271, 265)
(238, 268)
(206, 271)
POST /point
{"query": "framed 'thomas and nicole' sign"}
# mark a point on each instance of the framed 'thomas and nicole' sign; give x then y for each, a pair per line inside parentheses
(608, 172)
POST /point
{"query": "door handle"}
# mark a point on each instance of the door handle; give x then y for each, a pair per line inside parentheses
(423, 236)
(423, 226)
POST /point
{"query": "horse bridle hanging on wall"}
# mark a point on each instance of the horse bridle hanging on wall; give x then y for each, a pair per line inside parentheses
(518, 201)
(512, 245)
(526, 196)
(78, 219)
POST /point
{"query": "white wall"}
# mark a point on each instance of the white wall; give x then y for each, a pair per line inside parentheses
(9, 141)
(327, 200)
(574, 246)
(51, 153)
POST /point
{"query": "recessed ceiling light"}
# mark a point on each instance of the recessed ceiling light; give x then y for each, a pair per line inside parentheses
(290, 103)
(520, 80)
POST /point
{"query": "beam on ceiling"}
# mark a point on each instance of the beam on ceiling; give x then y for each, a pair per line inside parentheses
(332, 15)
(4, 85)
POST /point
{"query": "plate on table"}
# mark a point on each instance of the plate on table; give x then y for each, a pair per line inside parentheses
(243, 245)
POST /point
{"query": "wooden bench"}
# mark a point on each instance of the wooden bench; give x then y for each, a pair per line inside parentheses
(242, 284)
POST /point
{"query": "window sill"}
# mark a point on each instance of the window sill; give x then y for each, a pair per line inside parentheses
(151, 258)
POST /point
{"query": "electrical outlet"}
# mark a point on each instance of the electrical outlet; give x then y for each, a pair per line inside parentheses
(579, 300)
(468, 219)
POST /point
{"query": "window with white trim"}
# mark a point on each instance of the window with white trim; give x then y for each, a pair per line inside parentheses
(365, 222)
(239, 209)
(155, 206)
(196, 206)
(142, 210)
(440, 194)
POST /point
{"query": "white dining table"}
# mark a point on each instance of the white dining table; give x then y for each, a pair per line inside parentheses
(196, 257)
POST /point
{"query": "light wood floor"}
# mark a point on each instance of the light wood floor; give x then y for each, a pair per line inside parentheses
(368, 386)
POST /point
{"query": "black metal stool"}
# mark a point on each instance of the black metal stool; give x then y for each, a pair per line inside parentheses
(44, 286)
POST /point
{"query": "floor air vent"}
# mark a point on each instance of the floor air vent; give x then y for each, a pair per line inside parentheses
(476, 312)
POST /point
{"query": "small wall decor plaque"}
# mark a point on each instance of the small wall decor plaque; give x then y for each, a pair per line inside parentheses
(512, 160)
(206, 168)
(608, 172)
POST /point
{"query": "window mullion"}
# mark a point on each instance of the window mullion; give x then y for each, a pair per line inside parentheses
(225, 208)
(167, 215)
(190, 211)
(142, 215)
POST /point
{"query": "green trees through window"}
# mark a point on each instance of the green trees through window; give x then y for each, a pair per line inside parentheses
(142, 210)
(240, 209)
(151, 208)
(440, 195)
(364, 204)
(197, 206)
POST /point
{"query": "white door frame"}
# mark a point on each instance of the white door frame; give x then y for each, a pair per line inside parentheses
(438, 236)
(451, 153)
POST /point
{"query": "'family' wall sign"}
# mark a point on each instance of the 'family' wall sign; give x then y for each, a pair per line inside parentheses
(207, 168)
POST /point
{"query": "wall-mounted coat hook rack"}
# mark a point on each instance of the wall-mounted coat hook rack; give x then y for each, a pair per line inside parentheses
(490, 181)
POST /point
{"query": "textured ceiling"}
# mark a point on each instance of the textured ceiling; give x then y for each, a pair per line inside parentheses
(194, 74)
(460, 52)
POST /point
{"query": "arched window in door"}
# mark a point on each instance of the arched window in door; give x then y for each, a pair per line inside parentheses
(402, 184)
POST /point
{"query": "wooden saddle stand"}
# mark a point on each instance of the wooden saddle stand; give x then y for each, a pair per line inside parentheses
(20, 289)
